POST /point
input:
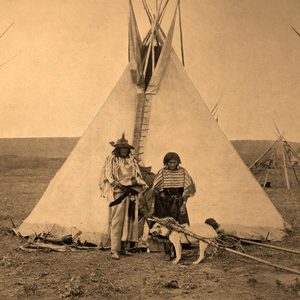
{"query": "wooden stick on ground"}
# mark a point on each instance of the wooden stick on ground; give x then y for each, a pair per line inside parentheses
(85, 248)
(45, 246)
(12, 223)
(67, 239)
(263, 261)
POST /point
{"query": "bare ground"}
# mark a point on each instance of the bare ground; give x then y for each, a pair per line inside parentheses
(93, 275)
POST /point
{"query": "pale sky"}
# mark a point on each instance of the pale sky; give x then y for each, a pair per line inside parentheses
(72, 52)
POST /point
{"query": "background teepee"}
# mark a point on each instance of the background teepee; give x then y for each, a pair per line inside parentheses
(278, 166)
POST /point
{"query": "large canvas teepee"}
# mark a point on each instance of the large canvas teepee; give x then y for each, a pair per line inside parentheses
(160, 110)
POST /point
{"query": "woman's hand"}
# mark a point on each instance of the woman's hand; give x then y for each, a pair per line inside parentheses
(183, 208)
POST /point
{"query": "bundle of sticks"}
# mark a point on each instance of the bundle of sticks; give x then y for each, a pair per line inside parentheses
(47, 242)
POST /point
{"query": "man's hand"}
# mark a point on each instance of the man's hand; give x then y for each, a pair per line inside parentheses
(118, 185)
(122, 187)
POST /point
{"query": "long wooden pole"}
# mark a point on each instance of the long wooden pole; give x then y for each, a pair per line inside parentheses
(286, 145)
(181, 34)
(7, 61)
(270, 246)
(263, 261)
(163, 11)
(6, 30)
(154, 21)
(266, 178)
(158, 12)
(147, 11)
(149, 50)
(296, 31)
(161, 14)
(284, 167)
(149, 8)
(153, 55)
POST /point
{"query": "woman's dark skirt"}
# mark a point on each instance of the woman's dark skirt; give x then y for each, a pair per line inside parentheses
(168, 203)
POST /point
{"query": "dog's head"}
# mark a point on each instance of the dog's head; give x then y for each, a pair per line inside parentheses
(159, 229)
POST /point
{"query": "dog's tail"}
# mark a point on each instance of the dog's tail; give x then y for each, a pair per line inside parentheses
(213, 223)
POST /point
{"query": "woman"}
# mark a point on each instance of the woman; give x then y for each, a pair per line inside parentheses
(172, 187)
(121, 183)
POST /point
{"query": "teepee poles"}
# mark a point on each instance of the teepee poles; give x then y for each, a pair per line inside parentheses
(163, 11)
(285, 155)
(287, 181)
(283, 150)
(153, 56)
(148, 51)
(215, 109)
(1, 35)
(289, 149)
(153, 50)
(147, 10)
(266, 178)
(181, 34)
(151, 18)
(154, 26)
(296, 31)
(263, 154)
(161, 37)
(149, 47)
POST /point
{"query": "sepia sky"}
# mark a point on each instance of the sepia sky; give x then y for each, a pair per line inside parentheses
(70, 53)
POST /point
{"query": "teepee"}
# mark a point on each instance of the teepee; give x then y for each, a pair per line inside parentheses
(279, 165)
(160, 110)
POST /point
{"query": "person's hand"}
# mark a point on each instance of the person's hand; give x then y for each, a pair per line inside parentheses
(162, 194)
(122, 187)
(118, 185)
(183, 208)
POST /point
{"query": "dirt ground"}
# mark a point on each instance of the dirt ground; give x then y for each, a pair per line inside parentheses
(93, 275)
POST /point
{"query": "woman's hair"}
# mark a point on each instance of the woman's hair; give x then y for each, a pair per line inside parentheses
(171, 155)
(116, 152)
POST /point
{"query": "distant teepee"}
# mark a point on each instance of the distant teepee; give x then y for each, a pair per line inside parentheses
(279, 165)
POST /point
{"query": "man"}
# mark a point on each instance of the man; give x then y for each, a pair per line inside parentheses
(121, 184)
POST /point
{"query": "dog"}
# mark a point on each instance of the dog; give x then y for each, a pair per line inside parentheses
(177, 238)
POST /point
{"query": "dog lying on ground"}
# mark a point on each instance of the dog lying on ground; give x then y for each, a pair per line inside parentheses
(177, 239)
